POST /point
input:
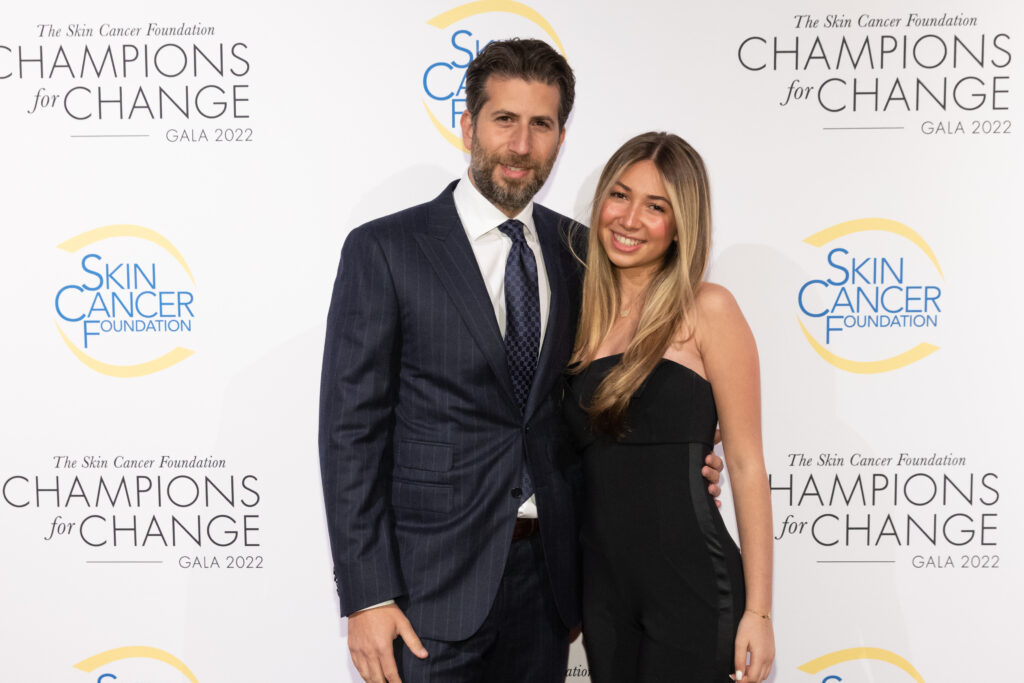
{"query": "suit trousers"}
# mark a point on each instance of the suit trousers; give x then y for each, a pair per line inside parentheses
(522, 640)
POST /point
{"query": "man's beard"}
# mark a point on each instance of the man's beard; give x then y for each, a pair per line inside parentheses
(513, 195)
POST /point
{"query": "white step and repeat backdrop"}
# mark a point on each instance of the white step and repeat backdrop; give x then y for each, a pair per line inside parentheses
(176, 185)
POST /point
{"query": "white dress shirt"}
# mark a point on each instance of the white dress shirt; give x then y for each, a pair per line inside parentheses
(491, 247)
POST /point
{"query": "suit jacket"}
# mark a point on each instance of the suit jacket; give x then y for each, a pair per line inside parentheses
(421, 438)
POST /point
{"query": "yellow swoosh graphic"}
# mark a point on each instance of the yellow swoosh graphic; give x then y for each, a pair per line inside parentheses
(124, 230)
(870, 367)
(148, 368)
(446, 19)
(816, 665)
(874, 224)
(448, 135)
(139, 651)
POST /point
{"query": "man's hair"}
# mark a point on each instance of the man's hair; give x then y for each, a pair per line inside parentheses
(526, 58)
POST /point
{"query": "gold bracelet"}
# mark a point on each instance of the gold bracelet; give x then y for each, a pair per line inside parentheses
(758, 614)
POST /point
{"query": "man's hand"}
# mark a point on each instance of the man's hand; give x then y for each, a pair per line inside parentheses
(371, 636)
(712, 471)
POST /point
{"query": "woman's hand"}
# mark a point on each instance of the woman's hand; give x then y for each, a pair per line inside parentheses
(755, 635)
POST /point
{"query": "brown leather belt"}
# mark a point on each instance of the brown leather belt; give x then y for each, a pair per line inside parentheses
(525, 528)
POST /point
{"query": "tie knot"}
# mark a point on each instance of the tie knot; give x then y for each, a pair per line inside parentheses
(514, 229)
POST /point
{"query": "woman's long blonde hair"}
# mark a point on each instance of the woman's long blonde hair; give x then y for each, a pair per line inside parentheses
(668, 303)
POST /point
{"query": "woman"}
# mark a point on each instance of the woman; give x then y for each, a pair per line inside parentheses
(660, 358)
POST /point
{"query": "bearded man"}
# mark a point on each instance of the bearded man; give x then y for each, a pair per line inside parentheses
(449, 495)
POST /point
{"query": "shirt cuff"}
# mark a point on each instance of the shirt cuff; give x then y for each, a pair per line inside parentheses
(379, 604)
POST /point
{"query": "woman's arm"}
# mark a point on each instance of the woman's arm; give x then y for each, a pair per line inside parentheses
(730, 360)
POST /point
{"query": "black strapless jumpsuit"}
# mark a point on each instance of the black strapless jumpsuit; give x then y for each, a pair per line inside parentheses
(663, 586)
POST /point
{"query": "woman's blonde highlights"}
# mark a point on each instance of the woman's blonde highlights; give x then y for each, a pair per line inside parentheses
(668, 302)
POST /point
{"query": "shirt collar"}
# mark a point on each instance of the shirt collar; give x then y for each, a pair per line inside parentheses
(479, 216)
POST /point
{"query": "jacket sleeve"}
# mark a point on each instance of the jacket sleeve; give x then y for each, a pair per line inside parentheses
(357, 395)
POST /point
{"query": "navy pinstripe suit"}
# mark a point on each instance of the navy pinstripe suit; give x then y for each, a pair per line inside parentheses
(421, 437)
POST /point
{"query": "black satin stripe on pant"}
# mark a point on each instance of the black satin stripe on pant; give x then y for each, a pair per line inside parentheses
(522, 640)
(728, 569)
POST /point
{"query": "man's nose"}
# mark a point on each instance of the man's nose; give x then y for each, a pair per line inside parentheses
(519, 142)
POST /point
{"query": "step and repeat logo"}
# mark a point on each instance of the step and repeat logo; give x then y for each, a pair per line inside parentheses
(852, 664)
(125, 304)
(187, 512)
(461, 33)
(937, 74)
(874, 303)
(916, 510)
(177, 81)
(135, 664)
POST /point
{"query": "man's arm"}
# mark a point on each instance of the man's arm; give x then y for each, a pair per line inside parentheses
(357, 394)
(357, 390)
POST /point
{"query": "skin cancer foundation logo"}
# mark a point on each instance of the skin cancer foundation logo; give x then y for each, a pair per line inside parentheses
(835, 659)
(129, 297)
(879, 299)
(105, 664)
(468, 29)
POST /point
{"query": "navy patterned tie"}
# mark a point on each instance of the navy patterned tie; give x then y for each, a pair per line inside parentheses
(522, 311)
(522, 320)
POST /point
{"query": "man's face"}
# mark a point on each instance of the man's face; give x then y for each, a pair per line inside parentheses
(513, 141)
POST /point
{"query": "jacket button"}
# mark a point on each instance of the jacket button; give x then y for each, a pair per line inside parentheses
(517, 492)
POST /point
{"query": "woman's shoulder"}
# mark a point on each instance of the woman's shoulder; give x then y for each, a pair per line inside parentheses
(718, 313)
(714, 300)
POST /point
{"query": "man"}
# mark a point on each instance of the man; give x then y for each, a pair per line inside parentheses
(447, 487)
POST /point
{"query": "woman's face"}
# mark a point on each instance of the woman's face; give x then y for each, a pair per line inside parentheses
(636, 225)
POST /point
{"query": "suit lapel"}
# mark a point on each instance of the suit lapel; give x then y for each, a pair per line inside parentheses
(447, 248)
(559, 330)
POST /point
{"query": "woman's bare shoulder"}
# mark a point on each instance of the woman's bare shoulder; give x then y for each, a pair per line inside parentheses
(714, 302)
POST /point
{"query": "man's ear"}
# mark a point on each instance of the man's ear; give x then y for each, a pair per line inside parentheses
(466, 121)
